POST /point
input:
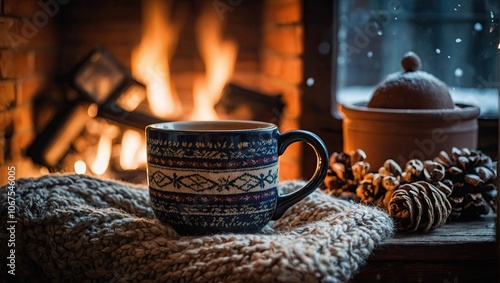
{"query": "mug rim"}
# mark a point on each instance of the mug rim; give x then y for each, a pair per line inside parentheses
(213, 126)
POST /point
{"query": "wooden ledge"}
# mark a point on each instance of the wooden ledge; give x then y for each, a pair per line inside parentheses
(455, 252)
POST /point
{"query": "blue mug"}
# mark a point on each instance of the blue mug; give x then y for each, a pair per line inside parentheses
(209, 177)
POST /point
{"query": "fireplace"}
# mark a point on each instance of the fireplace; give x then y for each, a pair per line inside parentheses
(240, 52)
(278, 51)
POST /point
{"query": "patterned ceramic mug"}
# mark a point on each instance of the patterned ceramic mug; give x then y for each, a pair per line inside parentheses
(222, 176)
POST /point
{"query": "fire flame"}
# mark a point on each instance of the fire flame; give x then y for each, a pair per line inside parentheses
(133, 148)
(150, 60)
(103, 155)
(219, 57)
(150, 65)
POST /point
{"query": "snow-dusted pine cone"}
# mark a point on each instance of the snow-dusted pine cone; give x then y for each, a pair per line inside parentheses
(419, 206)
(345, 173)
(473, 175)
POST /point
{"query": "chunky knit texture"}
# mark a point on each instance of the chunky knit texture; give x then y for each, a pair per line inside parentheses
(75, 228)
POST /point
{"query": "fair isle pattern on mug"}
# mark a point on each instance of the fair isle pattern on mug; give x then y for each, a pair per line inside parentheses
(211, 154)
(206, 164)
(208, 181)
(214, 213)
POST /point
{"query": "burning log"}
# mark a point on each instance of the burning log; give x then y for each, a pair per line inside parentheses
(52, 144)
(241, 103)
(106, 90)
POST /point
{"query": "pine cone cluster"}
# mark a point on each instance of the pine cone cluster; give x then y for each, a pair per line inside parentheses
(344, 173)
(424, 194)
(473, 176)
(376, 188)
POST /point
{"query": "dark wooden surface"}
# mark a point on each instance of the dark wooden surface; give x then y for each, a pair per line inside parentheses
(456, 252)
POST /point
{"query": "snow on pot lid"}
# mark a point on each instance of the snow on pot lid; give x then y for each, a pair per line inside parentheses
(412, 89)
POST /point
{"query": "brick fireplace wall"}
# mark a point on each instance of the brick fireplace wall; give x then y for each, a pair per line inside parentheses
(281, 66)
(39, 42)
(28, 51)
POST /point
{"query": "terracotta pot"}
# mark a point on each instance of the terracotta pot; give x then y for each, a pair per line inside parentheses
(404, 134)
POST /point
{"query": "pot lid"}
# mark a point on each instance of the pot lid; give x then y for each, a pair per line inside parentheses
(411, 89)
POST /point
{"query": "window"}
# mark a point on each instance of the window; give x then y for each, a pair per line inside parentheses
(457, 41)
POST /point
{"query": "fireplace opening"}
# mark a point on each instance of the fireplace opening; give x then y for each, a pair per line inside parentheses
(116, 66)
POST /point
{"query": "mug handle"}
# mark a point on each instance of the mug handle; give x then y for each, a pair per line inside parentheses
(284, 140)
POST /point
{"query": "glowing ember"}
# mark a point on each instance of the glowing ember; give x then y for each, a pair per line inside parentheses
(80, 167)
(150, 60)
(219, 56)
(101, 160)
(132, 150)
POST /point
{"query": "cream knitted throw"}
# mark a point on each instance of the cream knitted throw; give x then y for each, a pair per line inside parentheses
(75, 228)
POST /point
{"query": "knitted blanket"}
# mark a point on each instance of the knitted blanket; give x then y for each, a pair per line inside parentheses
(76, 228)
